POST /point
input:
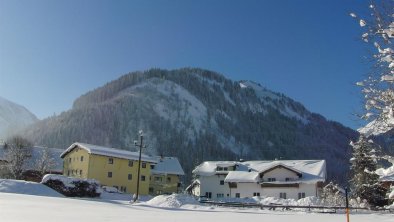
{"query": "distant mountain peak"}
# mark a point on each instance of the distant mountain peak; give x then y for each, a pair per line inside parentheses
(13, 117)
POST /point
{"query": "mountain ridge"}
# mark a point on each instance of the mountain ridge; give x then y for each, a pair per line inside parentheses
(198, 115)
(13, 117)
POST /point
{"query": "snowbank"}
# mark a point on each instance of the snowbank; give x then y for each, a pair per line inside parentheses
(307, 201)
(172, 201)
(22, 208)
(179, 200)
(25, 187)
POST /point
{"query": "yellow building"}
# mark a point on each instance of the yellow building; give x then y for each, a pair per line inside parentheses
(165, 178)
(111, 167)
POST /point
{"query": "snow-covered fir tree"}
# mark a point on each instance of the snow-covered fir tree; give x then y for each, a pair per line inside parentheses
(365, 182)
(378, 87)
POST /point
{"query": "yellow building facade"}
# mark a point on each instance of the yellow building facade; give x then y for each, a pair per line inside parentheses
(164, 184)
(111, 167)
(165, 176)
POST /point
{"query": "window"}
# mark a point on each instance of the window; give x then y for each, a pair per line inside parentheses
(225, 169)
(219, 169)
(158, 179)
(68, 172)
(152, 167)
(219, 195)
(271, 179)
(69, 160)
(168, 179)
(301, 195)
(129, 176)
(222, 182)
(142, 178)
(208, 194)
(130, 163)
(110, 174)
(151, 189)
(122, 189)
(80, 172)
(110, 160)
(256, 194)
(282, 195)
(143, 165)
(81, 158)
(237, 195)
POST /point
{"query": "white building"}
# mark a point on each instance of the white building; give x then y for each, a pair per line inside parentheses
(293, 179)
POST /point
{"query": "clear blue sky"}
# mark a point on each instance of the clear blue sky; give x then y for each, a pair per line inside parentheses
(51, 52)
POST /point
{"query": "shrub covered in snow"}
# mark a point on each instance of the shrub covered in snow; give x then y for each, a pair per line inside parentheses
(72, 187)
(333, 195)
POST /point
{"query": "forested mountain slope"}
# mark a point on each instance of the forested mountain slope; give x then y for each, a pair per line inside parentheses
(198, 115)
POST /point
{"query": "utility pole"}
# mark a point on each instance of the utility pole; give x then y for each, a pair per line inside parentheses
(347, 205)
(140, 145)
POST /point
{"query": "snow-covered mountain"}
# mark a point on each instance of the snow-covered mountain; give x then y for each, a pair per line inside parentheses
(198, 115)
(13, 117)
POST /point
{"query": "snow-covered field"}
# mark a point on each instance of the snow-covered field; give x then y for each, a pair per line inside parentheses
(23, 207)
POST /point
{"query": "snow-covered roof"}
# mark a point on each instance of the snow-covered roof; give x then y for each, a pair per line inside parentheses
(311, 170)
(167, 165)
(208, 168)
(110, 152)
(386, 174)
(242, 177)
(36, 153)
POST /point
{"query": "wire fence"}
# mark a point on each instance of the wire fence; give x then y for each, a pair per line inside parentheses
(321, 209)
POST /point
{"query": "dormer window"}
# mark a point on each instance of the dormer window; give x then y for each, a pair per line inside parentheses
(110, 160)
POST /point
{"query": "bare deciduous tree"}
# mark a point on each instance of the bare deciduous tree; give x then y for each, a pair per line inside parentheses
(45, 162)
(17, 153)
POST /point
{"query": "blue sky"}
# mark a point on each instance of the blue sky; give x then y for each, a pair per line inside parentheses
(51, 52)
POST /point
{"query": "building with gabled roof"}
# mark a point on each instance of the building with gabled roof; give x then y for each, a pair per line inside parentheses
(112, 167)
(293, 179)
(165, 176)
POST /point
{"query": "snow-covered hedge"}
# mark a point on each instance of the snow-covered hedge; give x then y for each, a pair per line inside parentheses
(72, 187)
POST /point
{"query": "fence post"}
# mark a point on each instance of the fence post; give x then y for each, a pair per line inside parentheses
(347, 206)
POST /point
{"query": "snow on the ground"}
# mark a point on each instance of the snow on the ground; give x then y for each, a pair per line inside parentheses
(25, 187)
(17, 208)
(44, 204)
(172, 201)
